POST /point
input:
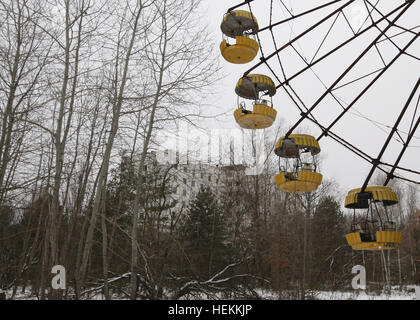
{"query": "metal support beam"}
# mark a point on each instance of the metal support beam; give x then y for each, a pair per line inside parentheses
(239, 5)
(396, 25)
(410, 136)
(391, 134)
(338, 47)
(324, 133)
(298, 15)
(263, 60)
(328, 91)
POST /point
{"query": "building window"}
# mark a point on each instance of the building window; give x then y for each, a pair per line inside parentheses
(145, 168)
(209, 178)
(185, 180)
(184, 192)
(193, 184)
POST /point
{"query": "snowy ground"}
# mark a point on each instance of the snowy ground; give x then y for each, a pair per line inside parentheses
(408, 293)
(362, 295)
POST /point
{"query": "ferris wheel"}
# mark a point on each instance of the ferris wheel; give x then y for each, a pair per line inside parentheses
(384, 37)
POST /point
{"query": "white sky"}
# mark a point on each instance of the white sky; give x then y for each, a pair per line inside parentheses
(382, 103)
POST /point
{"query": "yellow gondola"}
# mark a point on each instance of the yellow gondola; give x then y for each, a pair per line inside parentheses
(305, 181)
(237, 22)
(250, 86)
(262, 115)
(244, 51)
(240, 25)
(291, 146)
(298, 174)
(373, 234)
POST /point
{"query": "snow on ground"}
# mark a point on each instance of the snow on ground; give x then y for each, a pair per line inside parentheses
(407, 293)
(362, 295)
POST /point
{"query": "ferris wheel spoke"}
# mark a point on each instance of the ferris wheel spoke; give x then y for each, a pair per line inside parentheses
(358, 79)
(270, 26)
(394, 129)
(410, 136)
(239, 5)
(264, 59)
(337, 48)
(325, 37)
(337, 81)
(395, 25)
(368, 86)
(369, 13)
(400, 33)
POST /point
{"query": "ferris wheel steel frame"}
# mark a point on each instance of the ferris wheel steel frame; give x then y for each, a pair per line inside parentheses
(306, 113)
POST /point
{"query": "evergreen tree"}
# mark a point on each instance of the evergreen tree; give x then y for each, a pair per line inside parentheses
(328, 242)
(203, 234)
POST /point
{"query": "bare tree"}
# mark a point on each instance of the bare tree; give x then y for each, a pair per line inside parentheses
(23, 57)
(178, 70)
(129, 31)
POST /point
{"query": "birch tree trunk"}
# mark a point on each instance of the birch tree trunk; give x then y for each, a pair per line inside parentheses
(116, 112)
(174, 51)
(136, 202)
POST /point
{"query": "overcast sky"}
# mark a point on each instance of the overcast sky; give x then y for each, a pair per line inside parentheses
(369, 122)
